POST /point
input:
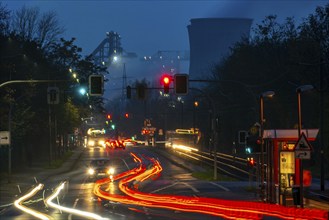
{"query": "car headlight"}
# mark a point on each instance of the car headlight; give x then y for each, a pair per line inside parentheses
(91, 171)
(110, 171)
(91, 143)
(101, 142)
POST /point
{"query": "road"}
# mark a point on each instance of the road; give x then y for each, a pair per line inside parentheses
(168, 194)
(78, 192)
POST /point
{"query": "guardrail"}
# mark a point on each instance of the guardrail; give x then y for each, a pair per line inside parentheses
(233, 166)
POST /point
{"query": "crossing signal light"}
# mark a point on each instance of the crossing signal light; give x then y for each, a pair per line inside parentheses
(166, 80)
(251, 161)
(96, 85)
(181, 84)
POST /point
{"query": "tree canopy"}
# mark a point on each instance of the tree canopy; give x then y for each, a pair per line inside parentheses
(31, 48)
(278, 57)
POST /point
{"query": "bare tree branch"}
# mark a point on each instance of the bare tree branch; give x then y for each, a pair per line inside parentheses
(48, 29)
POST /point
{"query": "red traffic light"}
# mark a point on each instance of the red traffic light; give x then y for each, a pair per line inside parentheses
(108, 116)
(166, 80)
(127, 115)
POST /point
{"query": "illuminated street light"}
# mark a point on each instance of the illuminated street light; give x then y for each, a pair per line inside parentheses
(299, 90)
(115, 59)
(82, 91)
(267, 94)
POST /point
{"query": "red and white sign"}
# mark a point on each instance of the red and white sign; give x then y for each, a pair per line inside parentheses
(303, 148)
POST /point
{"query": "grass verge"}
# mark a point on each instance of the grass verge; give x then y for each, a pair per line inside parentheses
(59, 162)
(209, 176)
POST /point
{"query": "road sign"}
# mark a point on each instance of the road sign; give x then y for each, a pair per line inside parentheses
(303, 144)
(4, 138)
(303, 154)
(303, 148)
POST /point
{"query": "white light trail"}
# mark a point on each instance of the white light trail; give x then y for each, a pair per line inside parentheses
(69, 210)
(18, 204)
(183, 147)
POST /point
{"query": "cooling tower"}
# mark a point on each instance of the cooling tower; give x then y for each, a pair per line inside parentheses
(210, 41)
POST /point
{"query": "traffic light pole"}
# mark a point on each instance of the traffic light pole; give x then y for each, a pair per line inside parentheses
(262, 171)
(30, 81)
(214, 127)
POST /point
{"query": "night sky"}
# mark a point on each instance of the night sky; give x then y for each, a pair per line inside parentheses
(149, 26)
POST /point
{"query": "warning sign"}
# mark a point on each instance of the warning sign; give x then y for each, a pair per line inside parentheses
(303, 148)
(303, 144)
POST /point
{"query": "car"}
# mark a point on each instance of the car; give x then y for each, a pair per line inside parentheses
(100, 167)
(96, 142)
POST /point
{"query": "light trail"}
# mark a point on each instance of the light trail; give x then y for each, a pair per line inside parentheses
(18, 203)
(70, 210)
(168, 202)
(212, 206)
(183, 147)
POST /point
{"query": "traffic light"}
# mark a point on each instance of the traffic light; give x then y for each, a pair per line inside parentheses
(127, 115)
(166, 80)
(243, 137)
(53, 95)
(253, 144)
(96, 85)
(108, 116)
(141, 91)
(181, 84)
(128, 92)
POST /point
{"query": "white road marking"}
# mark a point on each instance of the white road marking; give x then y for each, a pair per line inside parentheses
(193, 188)
(186, 184)
(166, 187)
(125, 163)
(220, 186)
(74, 205)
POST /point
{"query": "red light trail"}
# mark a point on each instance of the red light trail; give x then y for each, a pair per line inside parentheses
(227, 209)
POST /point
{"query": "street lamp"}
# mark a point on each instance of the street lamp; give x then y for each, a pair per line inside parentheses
(82, 91)
(299, 90)
(267, 94)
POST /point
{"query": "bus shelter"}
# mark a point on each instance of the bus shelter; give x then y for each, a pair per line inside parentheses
(282, 164)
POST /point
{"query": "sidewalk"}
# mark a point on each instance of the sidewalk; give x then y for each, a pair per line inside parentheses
(21, 182)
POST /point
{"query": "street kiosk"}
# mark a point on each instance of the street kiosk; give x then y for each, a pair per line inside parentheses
(284, 151)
